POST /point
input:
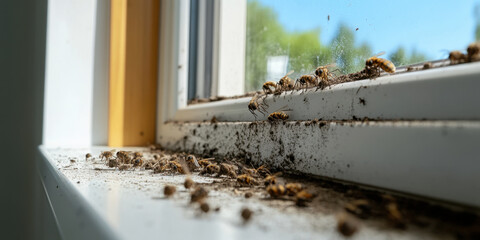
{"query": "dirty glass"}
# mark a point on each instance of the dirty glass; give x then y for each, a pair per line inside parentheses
(284, 35)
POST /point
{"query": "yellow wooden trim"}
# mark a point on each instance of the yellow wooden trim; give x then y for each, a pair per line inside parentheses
(134, 32)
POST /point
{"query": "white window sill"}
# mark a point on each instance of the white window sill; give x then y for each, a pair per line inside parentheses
(446, 93)
(108, 204)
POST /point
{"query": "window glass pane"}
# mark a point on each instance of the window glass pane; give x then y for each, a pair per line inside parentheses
(300, 35)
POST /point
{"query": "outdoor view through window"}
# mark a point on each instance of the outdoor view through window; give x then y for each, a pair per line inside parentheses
(300, 35)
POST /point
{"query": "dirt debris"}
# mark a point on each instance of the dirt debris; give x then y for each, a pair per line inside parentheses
(198, 195)
(169, 190)
(204, 207)
(188, 183)
(246, 214)
(346, 224)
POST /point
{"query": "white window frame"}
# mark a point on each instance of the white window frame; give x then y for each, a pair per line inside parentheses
(423, 143)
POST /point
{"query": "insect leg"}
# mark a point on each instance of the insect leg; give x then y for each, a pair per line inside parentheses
(264, 110)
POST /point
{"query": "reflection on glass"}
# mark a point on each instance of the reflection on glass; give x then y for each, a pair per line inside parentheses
(300, 35)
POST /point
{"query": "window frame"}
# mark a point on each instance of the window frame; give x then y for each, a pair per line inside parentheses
(449, 110)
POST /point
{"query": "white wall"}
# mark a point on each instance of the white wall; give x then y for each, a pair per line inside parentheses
(74, 71)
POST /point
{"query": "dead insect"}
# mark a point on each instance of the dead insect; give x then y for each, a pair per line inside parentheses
(211, 169)
(473, 52)
(228, 170)
(427, 65)
(250, 171)
(271, 179)
(269, 87)
(205, 162)
(276, 191)
(286, 83)
(123, 157)
(253, 105)
(137, 154)
(246, 214)
(158, 168)
(149, 165)
(112, 163)
(324, 75)
(246, 180)
(176, 167)
(106, 155)
(122, 167)
(275, 116)
(457, 57)
(198, 195)
(346, 224)
(192, 162)
(360, 208)
(374, 62)
(306, 81)
(302, 198)
(263, 171)
(137, 162)
(248, 194)
(169, 190)
(204, 207)
(87, 156)
(293, 188)
(188, 183)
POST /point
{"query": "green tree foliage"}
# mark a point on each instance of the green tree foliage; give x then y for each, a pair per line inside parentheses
(476, 15)
(400, 57)
(349, 58)
(265, 37)
(477, 32)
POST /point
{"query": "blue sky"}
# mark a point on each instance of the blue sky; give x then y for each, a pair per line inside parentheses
(430, 27)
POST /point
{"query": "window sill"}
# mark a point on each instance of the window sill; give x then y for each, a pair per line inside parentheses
(107, 204)
(445, 93)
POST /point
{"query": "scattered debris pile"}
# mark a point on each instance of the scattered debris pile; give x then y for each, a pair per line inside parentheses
(350, 203)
